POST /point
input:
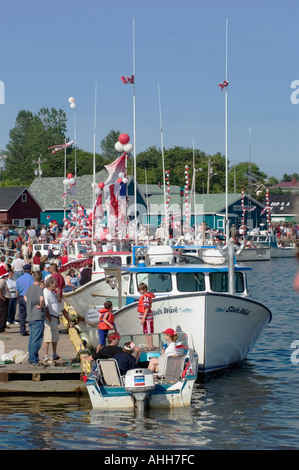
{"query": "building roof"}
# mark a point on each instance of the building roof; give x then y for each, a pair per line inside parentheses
(211, 203)
(8, 196)
(49, 191)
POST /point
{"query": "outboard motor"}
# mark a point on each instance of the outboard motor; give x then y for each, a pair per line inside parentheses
(139, 383)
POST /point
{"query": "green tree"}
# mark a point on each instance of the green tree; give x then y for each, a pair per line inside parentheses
(29, 141)
(107, 146)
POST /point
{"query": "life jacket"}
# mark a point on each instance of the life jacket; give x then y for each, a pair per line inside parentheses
(102, 325)
(141, 307)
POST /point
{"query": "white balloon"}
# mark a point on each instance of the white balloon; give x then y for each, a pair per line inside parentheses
(128, 148)
(121, 175)
(108, 237)
(66, 181)
(71, 99)
(93, 185)
(125, 180)
(73, 105)
(119, 147)
(72, 180)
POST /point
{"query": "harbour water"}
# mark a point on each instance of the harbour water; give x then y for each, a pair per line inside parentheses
(255, 406)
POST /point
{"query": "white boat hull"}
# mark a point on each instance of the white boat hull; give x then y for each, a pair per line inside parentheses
(164, 396)
(254, 254)
(283, 252)
(222, 328)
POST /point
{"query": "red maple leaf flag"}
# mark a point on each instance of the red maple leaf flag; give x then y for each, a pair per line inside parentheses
(127, 80)
(223, 84)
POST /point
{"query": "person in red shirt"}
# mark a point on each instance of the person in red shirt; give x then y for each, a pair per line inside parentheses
(106, 323)
(59, 280)
(146, 316)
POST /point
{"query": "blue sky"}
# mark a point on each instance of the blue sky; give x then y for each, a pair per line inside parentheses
(51, 50)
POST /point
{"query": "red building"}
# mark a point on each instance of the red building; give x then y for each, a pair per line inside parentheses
(18, 207)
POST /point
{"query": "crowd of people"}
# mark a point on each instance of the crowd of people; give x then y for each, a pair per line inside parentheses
(31, 291)
(31, 294)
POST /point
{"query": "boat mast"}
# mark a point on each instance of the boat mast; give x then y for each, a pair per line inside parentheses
(163, 169)
(94, 161)
(226, 162)
(134, 133)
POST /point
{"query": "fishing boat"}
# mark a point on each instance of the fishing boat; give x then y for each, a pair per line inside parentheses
(208, 301)
(278, 249)
(140, 388)
(254, 253)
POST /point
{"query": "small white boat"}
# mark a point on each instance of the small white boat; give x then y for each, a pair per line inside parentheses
(140, 388)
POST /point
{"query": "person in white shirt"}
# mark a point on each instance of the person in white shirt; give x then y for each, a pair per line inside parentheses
(17, 266)
(12, 285)
(53, 309)
(173, 349)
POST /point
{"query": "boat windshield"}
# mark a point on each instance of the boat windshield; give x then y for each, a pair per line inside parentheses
(109, 261)
(219, 282)
(156, 282)
(190, 282)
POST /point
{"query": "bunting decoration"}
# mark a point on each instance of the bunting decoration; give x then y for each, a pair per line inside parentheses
(268, 210)
(186, 194)
(72, 185)
(116, 189)
(243, 210)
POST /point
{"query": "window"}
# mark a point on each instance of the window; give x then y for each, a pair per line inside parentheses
(219, 282)
(109, 261)
(24, 197)
(156, 282)
(190, 282)
(15, 222)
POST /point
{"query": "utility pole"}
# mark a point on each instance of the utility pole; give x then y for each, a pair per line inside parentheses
(39, 172)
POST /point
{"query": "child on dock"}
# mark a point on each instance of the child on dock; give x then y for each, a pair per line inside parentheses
(106, 323)
(146, 316)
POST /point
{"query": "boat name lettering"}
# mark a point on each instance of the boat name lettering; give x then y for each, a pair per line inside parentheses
(242, 311)
(166, 310)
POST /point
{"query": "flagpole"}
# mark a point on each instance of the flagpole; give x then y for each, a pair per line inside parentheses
(163, 167)
(64, 186)
(226, 158)
(94, 159)
(134, 133)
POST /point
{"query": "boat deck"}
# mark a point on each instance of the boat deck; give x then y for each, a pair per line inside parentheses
(59, 377)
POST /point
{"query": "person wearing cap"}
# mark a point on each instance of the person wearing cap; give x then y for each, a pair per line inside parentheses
(172, 349)
(4, 298)
(108, 351)
(46, 271)
(23, 284)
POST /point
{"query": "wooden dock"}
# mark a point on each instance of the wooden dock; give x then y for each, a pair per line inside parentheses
(60, 377)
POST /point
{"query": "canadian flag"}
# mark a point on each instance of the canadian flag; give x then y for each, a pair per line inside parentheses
(223, 84)
(127, 80)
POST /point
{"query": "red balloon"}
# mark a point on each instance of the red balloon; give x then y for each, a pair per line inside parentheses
(124, 138)
(69, 175)
(119, 180)
(101, 185)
